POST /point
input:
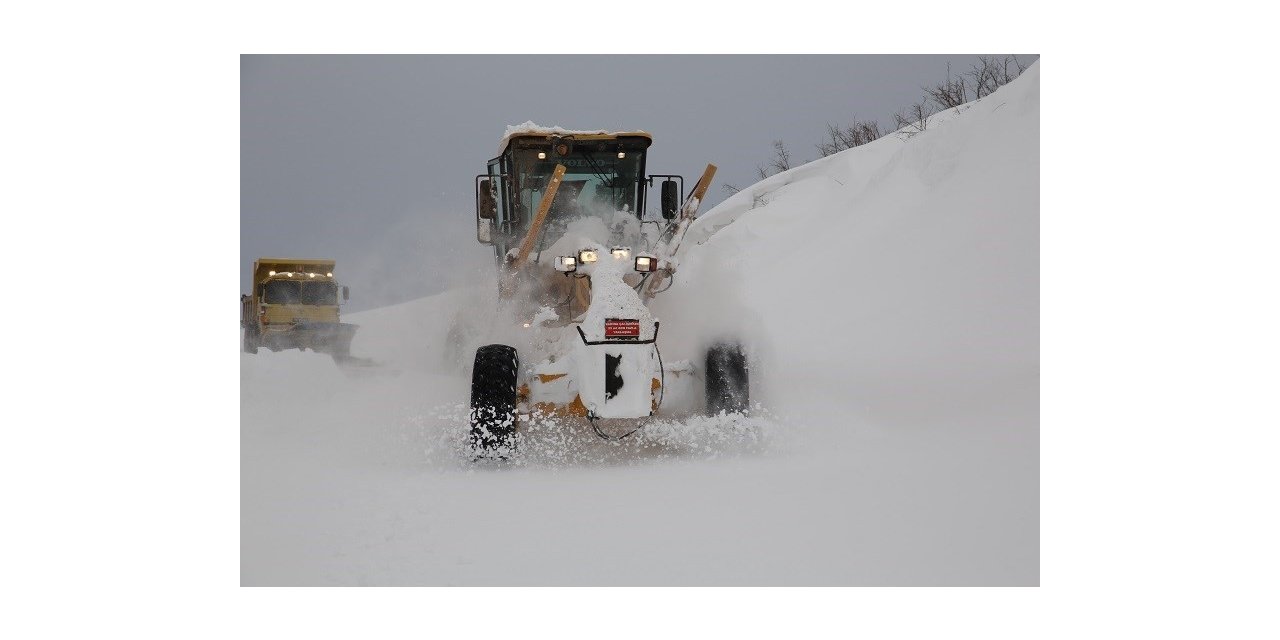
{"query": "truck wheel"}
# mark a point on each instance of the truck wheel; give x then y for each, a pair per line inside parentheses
(493, 400)
(250, 341)
(728, 386)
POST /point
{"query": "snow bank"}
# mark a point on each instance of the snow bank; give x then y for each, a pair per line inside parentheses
(902, 272)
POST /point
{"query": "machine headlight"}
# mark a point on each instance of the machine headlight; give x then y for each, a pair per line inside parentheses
(620, 253)
(645, 264)
(566, 264)
(588, 255)
(271, 273)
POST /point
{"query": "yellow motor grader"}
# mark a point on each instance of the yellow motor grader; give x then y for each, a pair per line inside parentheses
(578, 260)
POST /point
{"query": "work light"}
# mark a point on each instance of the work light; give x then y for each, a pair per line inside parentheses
(645, 264)
(620, 252)
(588, 255)
(566, 264)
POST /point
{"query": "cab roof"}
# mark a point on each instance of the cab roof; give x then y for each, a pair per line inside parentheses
(532, 130)
(263, 266)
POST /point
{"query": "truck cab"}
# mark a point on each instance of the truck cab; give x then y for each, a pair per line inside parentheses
(295, 304)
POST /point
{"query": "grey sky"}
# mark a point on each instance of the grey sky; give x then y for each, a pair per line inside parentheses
(370, 159)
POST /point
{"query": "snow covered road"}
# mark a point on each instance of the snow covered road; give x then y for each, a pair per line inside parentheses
(372, 497)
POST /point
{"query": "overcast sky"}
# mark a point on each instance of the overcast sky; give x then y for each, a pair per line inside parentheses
(370, 159)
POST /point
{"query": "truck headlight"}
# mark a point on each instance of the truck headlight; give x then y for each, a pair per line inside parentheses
(620, 253)
(566, 264)
(588, 255)
(645, 264)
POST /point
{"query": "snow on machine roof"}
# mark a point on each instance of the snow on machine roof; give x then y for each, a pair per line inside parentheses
(532, 130)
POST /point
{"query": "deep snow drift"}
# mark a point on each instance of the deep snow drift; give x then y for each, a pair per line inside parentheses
(890, 295)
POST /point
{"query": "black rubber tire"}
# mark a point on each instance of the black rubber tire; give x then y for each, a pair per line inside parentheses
(493, 400)
(250, 341)
(728, 383)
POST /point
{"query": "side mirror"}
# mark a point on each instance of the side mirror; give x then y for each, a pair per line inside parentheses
(346, 294)
(486, 204)
(484, 232)
(670, 199)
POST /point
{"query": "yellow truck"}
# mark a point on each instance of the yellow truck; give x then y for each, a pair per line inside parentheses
(294, 305)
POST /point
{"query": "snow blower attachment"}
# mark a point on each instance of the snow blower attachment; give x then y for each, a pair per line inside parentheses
(294, 305)
(578, 262)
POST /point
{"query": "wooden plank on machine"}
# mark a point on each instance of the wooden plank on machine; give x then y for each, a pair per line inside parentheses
(687, 212)
(535, 227)
(690, 206)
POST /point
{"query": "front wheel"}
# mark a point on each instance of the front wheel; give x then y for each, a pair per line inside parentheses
(493, 400)
(728, 386)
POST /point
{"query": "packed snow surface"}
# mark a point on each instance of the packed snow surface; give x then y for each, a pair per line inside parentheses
(889, 296)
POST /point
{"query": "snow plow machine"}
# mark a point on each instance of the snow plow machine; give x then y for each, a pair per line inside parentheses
(294, 304)
(578, 262)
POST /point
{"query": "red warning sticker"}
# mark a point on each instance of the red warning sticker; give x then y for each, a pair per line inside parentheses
(615, 328)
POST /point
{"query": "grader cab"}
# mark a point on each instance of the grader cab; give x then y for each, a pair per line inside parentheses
(604, 173)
